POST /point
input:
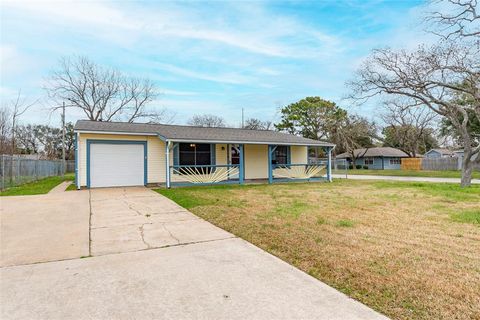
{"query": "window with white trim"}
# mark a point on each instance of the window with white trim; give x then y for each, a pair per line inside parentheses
(368, 161)
(395, 161)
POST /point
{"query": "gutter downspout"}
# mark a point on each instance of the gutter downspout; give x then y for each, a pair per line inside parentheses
(167, 163)
(77, 153)
(329, 165)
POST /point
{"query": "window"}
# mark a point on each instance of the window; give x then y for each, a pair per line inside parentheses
(368, 161)
(234, 155)
(280, 155)
(195, 154)
(395, 161)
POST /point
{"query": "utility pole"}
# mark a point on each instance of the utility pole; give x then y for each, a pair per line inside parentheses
(63, 139)
(243, 123)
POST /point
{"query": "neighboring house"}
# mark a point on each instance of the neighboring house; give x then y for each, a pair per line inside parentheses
(439, 153)
(128, 154)
(378, 158)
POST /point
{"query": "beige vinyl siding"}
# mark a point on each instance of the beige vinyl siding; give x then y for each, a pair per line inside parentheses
(221, 155)
(156, 160)
(256, 161)
(155, 155)
(298, 155)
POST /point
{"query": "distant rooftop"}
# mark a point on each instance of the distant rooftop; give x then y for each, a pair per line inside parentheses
(179, 133)
(444, 152)
(375, 152)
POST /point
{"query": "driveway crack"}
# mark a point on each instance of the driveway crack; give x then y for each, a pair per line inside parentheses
(132, 208)
(142, 234)
(170, 233)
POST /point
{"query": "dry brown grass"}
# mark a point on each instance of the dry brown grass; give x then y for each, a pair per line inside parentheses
(392, 246)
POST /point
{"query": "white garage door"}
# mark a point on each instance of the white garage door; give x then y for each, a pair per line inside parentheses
(114, 165)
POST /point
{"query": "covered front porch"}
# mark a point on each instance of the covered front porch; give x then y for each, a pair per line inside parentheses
(209, 162)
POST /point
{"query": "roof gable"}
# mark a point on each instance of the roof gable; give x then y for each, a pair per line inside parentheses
(376, 152)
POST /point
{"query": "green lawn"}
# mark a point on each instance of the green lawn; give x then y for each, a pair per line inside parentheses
(407, 173)
(37, 187)
(407, 249)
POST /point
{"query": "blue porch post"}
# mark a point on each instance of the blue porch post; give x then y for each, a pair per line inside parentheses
(270, 170)
(329, 165)
(241, 175)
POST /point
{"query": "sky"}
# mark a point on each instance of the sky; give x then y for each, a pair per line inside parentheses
(205, 57)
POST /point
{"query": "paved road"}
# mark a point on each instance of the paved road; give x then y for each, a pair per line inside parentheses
(395, 178)
(153, 259)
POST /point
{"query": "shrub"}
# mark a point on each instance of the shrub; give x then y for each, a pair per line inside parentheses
(350, 166)
(358, 166)
(365, 167)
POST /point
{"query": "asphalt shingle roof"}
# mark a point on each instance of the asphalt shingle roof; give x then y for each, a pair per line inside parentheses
(199, 134)
(376, 152)
(442, 151)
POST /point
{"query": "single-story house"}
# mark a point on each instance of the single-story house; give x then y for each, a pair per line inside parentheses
(439, 153)
(378, 158)
(128, 154)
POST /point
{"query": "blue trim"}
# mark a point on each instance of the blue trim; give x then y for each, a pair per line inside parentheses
(300, 180)
(270, 169)
(76, 160)
(289, 155)
(204, 166)
(242, 164)
(95, 141)
(189, 184)
(176, 153)
(213, 154)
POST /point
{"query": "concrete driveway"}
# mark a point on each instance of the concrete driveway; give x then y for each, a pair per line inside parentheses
(153, 259)
(132, 219)
(44, 228)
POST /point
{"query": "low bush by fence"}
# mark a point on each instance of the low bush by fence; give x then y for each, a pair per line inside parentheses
(15, 170)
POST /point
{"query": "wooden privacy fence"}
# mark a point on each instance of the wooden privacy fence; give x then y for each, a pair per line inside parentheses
(411, 164)
(434, 164)
(440, 164)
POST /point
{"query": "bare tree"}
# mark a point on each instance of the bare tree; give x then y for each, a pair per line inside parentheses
(18, 107)
(408, 128)
(460, 21)
(352, 133)
(257, 124)
(5, 130)
(27, 139)
(207, 120)
(444, 77)
(102, 94)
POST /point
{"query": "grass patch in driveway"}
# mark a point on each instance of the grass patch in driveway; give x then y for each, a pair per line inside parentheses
(394, 246)
(37, 187)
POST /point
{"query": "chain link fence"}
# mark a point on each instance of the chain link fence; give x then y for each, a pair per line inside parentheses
(16, 170)
(340, 167)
